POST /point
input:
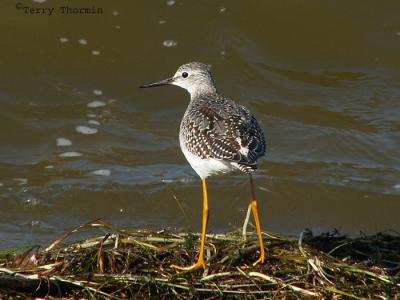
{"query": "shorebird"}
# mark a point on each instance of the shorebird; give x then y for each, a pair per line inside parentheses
(216, 135)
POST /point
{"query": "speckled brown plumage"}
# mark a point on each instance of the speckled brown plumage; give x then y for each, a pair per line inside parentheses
(216, 127)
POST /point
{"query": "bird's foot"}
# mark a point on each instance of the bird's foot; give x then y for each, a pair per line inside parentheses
(200, 264)
(260, 260)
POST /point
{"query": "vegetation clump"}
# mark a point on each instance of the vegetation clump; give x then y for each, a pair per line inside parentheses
(137, 264)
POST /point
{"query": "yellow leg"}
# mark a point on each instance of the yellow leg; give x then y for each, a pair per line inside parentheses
(200, 262)
(254, 209)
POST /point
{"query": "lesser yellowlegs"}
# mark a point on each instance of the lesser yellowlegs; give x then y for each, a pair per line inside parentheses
(217, 135)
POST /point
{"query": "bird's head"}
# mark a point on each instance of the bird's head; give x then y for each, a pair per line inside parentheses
(194, 77)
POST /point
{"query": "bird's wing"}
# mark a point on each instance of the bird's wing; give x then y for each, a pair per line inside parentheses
(228, 132)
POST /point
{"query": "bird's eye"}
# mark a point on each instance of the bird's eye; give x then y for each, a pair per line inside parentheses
(185, 74)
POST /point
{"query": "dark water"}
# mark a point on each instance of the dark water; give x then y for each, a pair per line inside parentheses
(323, 78)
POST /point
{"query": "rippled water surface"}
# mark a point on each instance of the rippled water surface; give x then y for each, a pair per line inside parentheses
(81, 141)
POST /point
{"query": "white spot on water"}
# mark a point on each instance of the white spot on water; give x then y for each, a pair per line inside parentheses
(32, 201)
(63, 39)
(91, 115)
(39, 1)
(397, 186)
(115, 13)
(222, 53)
(21, 181)
(49, 167)
(96, 103)
(85, 129)
(117, 27)
(1, 184)
(96, 52)
(35, 223)
(82, 41)
(102, 172)
(98, 92)
(70, 154)
(93, 122)
(263, 188)
(121, 210)
(222, 10)
(170, 2)
(161, 22)
(62, 142)
(170, 43)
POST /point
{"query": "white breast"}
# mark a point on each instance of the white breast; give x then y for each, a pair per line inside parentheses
(206, 167)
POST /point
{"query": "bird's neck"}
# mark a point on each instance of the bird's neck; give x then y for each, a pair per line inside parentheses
(201, 90)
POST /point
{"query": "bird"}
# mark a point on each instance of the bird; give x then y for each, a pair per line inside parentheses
(217, 135)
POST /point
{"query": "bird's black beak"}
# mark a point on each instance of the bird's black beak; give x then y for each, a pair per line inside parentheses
(158, 83)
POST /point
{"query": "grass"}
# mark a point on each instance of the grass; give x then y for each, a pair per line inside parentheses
(136, 264)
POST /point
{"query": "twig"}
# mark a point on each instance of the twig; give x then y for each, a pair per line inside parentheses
(276, 281)
(246, 222)
(218, 275)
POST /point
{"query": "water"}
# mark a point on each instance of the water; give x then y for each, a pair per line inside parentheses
(81, 141)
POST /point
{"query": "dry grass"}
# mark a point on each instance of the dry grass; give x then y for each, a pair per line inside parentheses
(136, 264)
